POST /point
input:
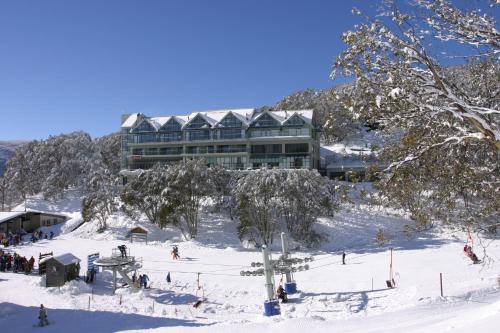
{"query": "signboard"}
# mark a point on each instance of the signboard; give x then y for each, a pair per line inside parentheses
(91, 259)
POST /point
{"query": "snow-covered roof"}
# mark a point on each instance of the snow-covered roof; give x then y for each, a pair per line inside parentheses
(246, 116)
(130, 121)
(6, 216)
(66, 259)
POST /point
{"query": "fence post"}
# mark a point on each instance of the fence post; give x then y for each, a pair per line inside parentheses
(441, 282)
(372, 283)
(89, 304)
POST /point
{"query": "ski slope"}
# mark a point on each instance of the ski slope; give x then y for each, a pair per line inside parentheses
(332, 297)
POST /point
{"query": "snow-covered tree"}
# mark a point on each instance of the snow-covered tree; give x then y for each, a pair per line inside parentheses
(109, 147)
(304, 196)
(336, 122)
(3, 192)
(447, 120)
(143, 193)
(101, 193)
(258, 202)
(187, 185)
(21, 173)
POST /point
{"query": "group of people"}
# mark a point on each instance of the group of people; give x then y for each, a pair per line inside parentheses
(38, 234)
(141, 282)
(16, 263)
(10, 239)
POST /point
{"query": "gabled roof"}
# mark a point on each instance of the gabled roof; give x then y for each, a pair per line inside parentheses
(130, 121)
(150, 121)
(246, 116)
(66, 259)
(209, 119)
(243, 117)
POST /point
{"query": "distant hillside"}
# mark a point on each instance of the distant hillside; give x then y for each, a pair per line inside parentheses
(7, 148)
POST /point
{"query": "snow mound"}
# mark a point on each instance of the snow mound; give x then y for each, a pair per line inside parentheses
(71, 288)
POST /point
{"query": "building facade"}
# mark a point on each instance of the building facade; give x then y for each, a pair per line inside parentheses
(234, 139)
(28, 221)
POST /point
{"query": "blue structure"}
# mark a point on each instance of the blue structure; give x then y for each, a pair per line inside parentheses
(272, 308)
(290, 287)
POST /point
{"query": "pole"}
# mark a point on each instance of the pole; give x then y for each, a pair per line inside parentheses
(441, 282)
(89, 303)
(390, 270)
(286, 252)
(114, 280)
(268, 272)
(372, 283)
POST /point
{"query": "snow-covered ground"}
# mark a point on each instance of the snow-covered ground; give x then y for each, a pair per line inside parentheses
(332, 297)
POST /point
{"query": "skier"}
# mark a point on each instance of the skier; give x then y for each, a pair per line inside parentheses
(42, 315)
(168, 278)
(31, 262)
(141, 280)
(145, 280)
(343, 258)
(281, 294)
(123, 250)
(51, 235)
(175, 253)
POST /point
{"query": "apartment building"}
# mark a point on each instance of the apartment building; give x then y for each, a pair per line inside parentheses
(235, 139)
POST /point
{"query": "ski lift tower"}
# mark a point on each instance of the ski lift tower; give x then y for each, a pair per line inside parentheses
(284, 265)
(120, 264)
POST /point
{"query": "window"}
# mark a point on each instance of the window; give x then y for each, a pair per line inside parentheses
(230, 133)
(198, 122)
(145, 126)
(171, 151)
(296, 148)
(266, 121)
(151, 151)
(171, 126)
(294, 120)
(266, 149)
(199, 135)
(230, 121)
(232, 149)
(297, 164)
(173, 136)
(199, 150)
(264, 133)
(136, 151)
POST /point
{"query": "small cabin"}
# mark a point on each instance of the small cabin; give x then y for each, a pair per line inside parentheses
(61, 269)
(138, 233)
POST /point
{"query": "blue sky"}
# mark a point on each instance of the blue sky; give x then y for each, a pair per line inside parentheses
(78, 65)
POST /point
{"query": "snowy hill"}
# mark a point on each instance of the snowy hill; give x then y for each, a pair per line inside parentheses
(7, 148)
(332, 297)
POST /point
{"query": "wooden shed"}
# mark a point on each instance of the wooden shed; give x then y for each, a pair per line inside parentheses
(61, 269)
(138, 233)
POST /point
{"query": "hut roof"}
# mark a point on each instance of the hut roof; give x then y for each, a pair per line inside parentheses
(66, 259)
(138, 230)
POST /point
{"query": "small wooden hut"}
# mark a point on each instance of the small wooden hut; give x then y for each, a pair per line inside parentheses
(138, 233)
(61, 269)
